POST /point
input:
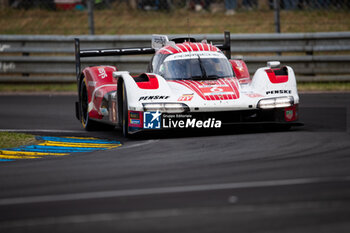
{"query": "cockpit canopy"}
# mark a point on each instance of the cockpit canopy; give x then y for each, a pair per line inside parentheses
(192, 66)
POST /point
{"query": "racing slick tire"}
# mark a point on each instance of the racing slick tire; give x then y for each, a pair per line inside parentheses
(125, 115)
(87, 123)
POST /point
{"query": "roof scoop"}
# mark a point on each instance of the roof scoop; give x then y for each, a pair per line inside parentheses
(179, 40)
(172, 44)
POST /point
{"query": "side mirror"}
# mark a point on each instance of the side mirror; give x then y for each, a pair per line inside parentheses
(241, 70)
(273, 64)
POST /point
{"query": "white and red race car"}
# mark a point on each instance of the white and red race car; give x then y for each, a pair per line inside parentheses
(188, 84)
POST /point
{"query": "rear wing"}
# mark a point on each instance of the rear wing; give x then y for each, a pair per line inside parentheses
(225, 47)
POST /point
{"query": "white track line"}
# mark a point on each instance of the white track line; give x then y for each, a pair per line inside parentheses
(139, 144)
(166, 190)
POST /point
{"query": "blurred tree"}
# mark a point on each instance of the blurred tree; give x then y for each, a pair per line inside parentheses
(4, 3)
(133, 4)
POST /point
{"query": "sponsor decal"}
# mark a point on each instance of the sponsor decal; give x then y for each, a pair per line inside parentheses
(187, 121)
(134, 115)
(195, 54)
(187, 97)
(152, 120)
(91, 83)
(135, 119)
(102, 73)
(278, 92)
(289, 114)
(254, 95)
(154, 97)
(134, 122)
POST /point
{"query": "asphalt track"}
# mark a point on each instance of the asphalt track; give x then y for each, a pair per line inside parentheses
(238, 180)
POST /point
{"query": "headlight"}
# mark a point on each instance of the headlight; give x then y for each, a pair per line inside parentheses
(278, 102)
(165, 107)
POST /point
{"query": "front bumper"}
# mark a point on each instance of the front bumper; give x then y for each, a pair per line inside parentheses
(147, 121)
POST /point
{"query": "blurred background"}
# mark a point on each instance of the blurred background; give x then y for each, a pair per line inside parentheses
(240, 179)
(67, 17)
(37, 36)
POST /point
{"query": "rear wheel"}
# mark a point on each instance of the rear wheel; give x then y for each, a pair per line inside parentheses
(87, 123)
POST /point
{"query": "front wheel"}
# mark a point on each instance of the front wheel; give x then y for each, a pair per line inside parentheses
(125, 115)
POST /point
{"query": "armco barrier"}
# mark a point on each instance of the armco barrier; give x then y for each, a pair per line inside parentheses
(314, 56)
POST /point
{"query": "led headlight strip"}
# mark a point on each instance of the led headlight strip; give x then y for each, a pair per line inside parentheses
(165, 107)
(278, 102)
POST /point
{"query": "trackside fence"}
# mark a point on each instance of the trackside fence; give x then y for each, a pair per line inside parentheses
(314, 56)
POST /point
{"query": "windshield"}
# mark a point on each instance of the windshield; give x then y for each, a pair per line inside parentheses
(195, 67)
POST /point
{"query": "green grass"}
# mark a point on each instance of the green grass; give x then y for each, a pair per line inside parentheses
(10, 140)
(324, 86)
(121, 20)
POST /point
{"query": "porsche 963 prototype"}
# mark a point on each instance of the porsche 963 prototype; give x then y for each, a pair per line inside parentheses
(188, 84)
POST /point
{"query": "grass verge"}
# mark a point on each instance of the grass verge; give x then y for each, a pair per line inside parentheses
(119, 19)
(324, 86)
(10, 140)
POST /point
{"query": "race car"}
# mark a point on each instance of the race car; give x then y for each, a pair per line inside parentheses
(187, 84)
